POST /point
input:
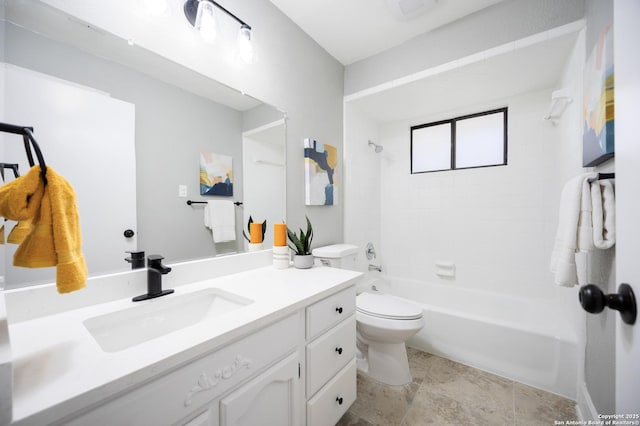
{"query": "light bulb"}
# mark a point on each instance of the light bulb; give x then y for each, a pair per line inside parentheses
(205, 21)
(245, 48)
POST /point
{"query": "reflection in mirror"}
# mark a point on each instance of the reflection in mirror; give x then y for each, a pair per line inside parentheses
(126, 128)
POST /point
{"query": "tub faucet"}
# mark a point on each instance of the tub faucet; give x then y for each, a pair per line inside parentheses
(155, 271)
(375, 268)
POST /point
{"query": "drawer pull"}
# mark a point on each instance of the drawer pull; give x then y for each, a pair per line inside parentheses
(339, 350)
(339, 400)
(339, 309)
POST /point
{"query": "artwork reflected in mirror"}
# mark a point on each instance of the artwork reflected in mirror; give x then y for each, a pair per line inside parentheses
(216, 174)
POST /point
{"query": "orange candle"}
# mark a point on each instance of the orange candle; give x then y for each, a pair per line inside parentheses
(279, 235)
(255, 233)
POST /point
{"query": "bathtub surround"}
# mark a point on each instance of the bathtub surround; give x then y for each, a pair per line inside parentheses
(495, 225)
(497, 333)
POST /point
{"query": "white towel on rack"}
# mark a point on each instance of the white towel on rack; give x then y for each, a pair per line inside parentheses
(603, 200)
(574, 237)
(220, 217)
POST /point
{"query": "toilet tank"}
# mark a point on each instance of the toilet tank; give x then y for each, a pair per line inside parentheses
(341, 256)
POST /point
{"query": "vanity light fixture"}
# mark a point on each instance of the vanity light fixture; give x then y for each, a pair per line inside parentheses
(201, 14)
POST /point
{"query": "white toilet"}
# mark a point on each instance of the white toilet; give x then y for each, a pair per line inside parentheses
(383, 322)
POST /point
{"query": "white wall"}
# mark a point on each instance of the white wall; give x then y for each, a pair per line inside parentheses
(496, 224)
(362, 189)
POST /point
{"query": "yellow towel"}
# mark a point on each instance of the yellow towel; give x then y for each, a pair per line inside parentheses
(55, 238)
(19, 232)
(20, 199)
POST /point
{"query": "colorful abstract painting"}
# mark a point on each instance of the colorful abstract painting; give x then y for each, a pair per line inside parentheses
(598, 107)
(216, 174)
(320, 163)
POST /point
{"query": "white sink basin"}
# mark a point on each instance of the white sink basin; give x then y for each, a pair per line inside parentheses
(153, 318)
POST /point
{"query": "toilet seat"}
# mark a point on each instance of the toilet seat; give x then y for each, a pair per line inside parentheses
(387, 307)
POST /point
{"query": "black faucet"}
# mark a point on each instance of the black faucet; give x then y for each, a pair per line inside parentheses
(155, 271)
(136, 259)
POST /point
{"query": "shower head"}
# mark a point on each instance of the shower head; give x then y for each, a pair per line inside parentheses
(377, 148)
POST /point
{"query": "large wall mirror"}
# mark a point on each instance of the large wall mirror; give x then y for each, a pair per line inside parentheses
(127, 129)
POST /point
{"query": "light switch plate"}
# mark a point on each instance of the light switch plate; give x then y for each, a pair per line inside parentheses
(182, 191)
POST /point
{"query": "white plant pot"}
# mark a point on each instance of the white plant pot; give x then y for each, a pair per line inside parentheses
(303, 261)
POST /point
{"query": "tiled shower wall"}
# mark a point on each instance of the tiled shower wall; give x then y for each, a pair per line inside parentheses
(496, 224)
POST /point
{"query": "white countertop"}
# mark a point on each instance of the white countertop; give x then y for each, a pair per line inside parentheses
(59, 368)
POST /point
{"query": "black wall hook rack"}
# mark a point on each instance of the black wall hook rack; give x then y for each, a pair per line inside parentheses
(27, 137)
(190, 202)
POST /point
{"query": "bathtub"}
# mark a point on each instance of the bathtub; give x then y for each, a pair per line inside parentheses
(512, 337)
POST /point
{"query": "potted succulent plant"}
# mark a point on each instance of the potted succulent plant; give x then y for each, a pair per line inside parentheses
(301, 245)
(254, 246)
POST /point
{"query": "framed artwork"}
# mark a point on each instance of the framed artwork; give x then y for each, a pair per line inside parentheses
(320, 162)
(598, 102)
(216, 174)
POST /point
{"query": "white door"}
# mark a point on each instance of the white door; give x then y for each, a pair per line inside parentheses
(88, 137)
(264, 180)
(627, 128)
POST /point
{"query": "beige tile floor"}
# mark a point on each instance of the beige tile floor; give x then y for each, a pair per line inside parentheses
(444, 392)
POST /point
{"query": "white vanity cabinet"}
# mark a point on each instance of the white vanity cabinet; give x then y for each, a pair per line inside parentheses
(262, 368)
(330, 358)
(288, 358)
(295, 371)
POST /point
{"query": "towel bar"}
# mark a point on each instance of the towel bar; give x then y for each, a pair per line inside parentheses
(189, 202)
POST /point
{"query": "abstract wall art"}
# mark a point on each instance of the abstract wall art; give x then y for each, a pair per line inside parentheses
(320, 164)
(216, 174)
(598, 105)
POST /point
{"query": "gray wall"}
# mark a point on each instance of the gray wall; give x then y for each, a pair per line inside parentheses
(259, 116)
(299, 77)
(172, 127)
(487, 28)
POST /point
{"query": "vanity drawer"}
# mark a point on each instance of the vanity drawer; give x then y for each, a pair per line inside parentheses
(333, 400)
(329, 353)
(327, 312)
(182, 392)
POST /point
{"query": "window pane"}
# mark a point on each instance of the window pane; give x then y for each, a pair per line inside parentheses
(431, 148)
(480, 141)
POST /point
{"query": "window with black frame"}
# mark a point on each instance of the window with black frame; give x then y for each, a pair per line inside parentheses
(470, 141)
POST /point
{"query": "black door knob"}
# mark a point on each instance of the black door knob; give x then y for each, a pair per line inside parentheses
(339, 400)
(339, 350)
(339, 310)
(129, 233)
(593, 300)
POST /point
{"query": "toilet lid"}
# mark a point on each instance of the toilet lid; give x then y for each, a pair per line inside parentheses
(384, 306)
